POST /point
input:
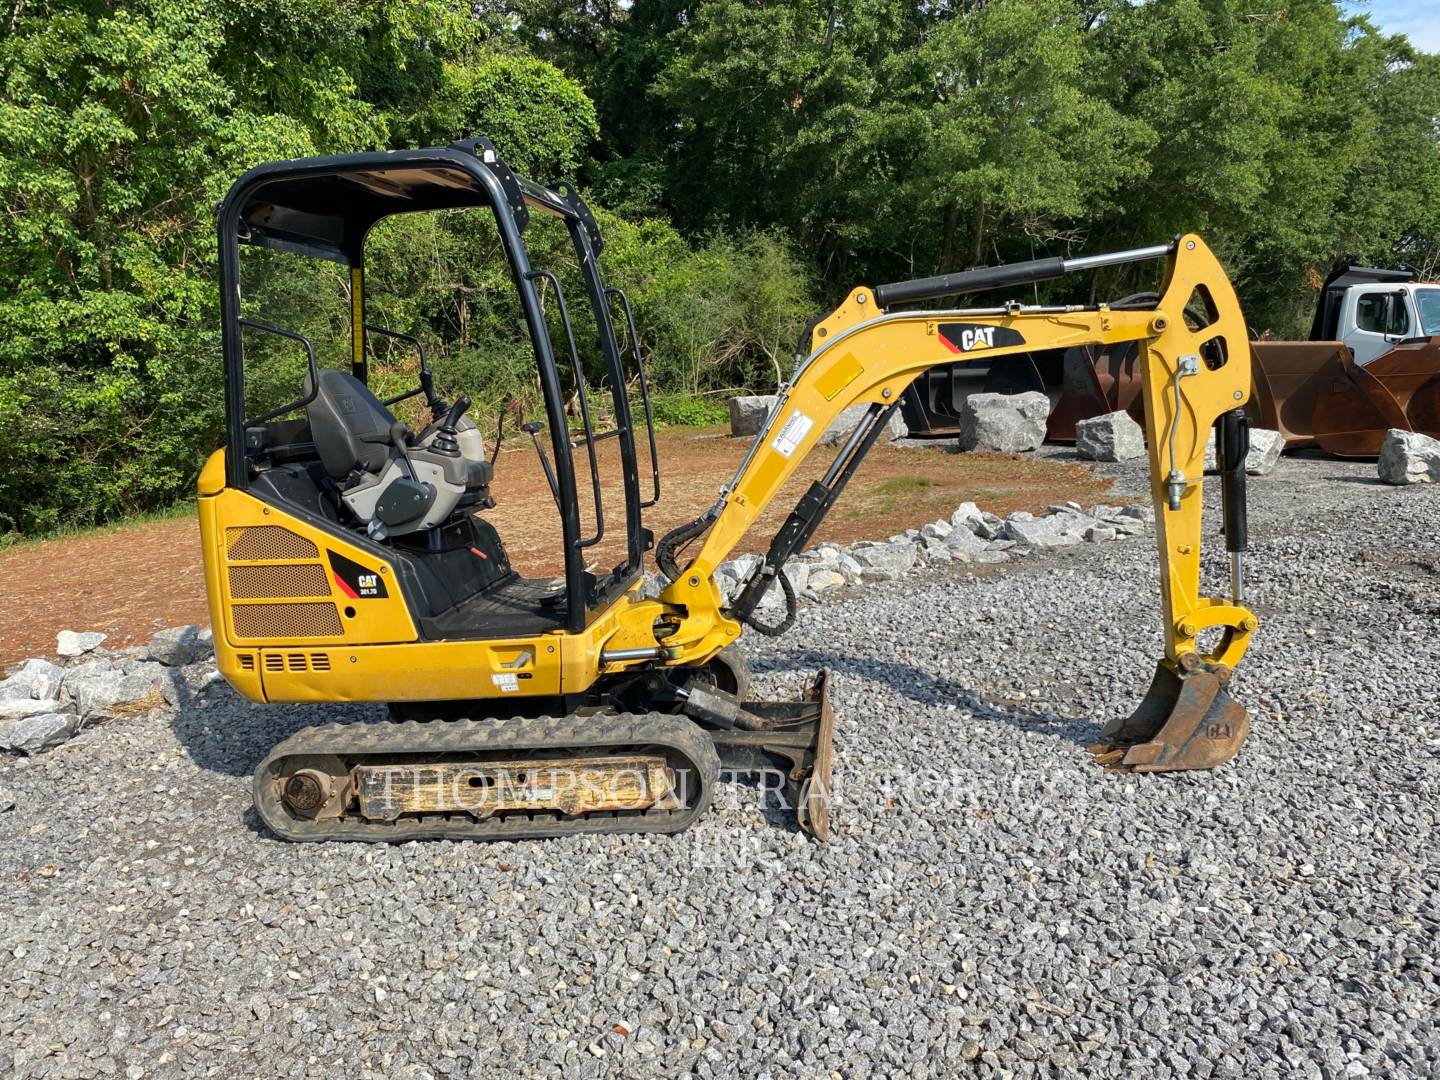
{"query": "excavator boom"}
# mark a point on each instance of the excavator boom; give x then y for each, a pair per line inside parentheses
(1192, 379)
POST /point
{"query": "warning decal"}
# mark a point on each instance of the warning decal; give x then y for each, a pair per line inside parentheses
(791, 434)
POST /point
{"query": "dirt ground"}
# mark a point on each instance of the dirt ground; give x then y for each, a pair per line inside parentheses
(130, 580)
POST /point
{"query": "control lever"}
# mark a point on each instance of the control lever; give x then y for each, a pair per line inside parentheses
(533, 430)
(398, 433)
(461, 406)
(445, 441)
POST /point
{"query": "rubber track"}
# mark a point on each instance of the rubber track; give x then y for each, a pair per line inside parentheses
(484, 737)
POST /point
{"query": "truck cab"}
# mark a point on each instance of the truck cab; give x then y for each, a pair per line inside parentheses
(1371, 310)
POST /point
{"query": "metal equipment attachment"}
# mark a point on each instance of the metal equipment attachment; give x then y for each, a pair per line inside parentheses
(795, 747)
(1187, 720)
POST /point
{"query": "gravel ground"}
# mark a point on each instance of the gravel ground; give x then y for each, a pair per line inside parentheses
(988, 900)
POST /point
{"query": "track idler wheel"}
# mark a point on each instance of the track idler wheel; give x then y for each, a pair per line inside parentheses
(1187, 720)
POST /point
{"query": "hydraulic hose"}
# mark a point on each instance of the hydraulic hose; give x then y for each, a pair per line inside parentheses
(671, 543)
(792, 607)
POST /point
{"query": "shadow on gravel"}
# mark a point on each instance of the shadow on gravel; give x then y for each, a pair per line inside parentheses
(1346, 478)
(923, 688)
(224, 733)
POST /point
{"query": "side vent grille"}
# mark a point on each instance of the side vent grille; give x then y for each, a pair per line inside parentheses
(247, 662)
(267, 542)
(297, 661)
(286, 621)
(281, 581)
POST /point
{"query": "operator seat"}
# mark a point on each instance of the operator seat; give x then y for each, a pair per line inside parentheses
(393, 485)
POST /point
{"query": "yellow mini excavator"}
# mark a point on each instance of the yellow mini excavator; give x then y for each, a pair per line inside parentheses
(348, 558)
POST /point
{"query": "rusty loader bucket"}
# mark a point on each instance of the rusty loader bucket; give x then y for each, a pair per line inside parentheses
(1316, 395)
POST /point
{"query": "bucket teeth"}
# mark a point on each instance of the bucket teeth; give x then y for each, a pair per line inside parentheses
(1186, 721)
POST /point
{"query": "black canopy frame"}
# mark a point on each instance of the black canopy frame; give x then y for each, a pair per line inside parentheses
(325, 207)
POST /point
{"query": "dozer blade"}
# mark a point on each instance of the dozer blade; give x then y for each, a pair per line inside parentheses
(796, 751)
(1187, 720)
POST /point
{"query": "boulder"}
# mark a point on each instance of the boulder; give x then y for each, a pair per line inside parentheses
(990, 526)
(729, 575)
(798, 574)
(1047, 532)
(98, 690)
(1126, 520)
(967, 516)
(965, 546)
(744, 565)
(822, 581)
(69, 643)
(841, 427)
(748, 413)
(935, 550)
(651, 585)
(1407, 457)
(936, 530)
(849, 568)
(36, 734)
(1265, 447)
(34, 679)
(1112, 437)
(884, 562)
(19, 708)
(177, 646)
(1004, 423)
(1099, 533)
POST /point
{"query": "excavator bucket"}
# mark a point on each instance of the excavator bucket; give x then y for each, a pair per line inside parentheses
(1187, 720)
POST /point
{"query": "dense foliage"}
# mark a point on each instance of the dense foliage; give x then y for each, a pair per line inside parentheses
(752, 159)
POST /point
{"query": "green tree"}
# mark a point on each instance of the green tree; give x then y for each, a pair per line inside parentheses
(120, 128)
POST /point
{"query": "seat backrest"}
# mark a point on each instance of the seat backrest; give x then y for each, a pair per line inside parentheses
(350, 426)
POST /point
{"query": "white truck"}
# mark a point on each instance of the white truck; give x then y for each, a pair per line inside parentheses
(1372, 310)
